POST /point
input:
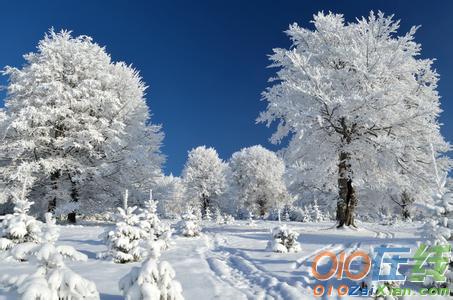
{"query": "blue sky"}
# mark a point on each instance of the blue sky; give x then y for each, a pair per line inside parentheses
(205, 61)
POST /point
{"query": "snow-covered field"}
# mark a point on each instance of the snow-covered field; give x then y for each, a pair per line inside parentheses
(230, 261)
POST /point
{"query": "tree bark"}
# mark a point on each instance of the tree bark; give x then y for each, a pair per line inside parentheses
(205, 205)
(74, 198)
(53, 203)
(347, 199)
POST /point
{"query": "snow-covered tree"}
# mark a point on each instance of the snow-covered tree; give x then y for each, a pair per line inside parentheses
(316, 212)
(152, 281)
(189, 226)
(79, 124)
(228, 219)
(258, 176)
(218, 217)
(204, 175)
(151, 224)
(283, 240)
(125, 241)
(306, 215)
(438, 228)
(360, 106)
(20, 227)
(208, 215)
(171, 193)
(52, 280)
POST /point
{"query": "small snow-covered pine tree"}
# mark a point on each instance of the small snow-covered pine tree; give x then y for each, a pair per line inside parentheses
(208, 215)
(152, 225)
(189, 226)
(124, 241)
(19, 227)
(316, 212)
(228, 219)
(218, 217)
(307, 215)
(151, 281)
(283, 240)
(439, 228)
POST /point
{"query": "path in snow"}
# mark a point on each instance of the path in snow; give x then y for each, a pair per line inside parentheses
(229, 261)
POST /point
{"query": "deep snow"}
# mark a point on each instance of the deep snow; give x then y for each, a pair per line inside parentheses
(229, 261)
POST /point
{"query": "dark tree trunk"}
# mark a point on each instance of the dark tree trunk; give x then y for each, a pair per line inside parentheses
(347, 201)
(261, 206)
(53, 202)
(204, 205)
(406, 201)
(74, 198)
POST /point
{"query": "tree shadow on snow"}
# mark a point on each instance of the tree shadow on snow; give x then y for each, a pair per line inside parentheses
(104, 296)
(88, 242)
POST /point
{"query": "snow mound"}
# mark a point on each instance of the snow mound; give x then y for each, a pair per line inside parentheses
(283, 240)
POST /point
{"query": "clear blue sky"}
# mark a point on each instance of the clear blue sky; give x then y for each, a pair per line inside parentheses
(205, 61)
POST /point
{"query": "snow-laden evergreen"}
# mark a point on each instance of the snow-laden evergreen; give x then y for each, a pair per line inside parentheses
(439, 228)
(283, 240)
(204, 175)
(52, 280)
(153, 280)
(218, 217)
(125, 241)
(258, 177)
(361, 108)
(189, 226)
(228, 219)
(78, 123)
(20, 227)
(439, 224)
(154, 229)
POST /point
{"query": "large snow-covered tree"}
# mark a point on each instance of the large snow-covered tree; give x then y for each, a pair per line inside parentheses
(360, 106)
(79, 124)
(204, 175)
(257, 174)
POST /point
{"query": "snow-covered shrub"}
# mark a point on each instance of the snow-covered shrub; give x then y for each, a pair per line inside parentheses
(99, 217)
(316, 213)
(19, 227)
(250, 220)
(218, 217)
(124, 242)
(283, 240)
(152, 281)
(152, 225)
(189, 226)
(208, 215)
(228, 219)
(52, 280)
(306, 217)
(388, 285)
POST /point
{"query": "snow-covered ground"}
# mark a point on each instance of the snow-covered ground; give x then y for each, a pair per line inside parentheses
(230, 261)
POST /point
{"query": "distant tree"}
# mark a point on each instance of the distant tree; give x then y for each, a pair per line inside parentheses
(79, 124)
(360, 106)
(258, 177)
(204, 175)
(170, 191)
